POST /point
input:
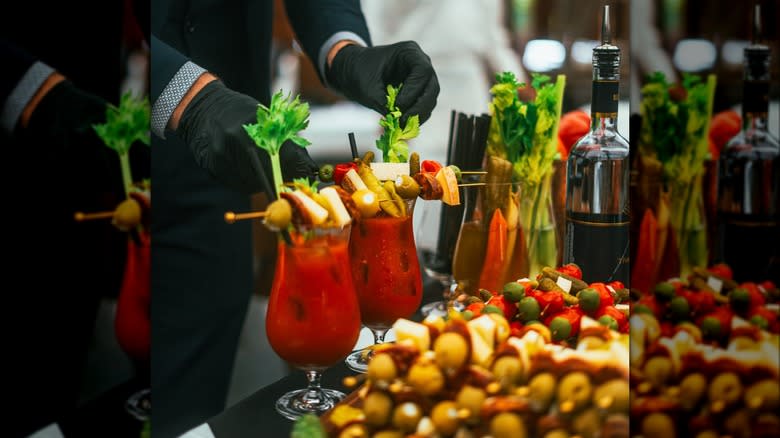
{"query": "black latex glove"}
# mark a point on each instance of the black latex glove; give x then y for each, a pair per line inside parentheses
(363, 73)
(212, 126)
(63, 119)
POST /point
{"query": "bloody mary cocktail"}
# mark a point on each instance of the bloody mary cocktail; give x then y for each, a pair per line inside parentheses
(313, 318)
(385, 269)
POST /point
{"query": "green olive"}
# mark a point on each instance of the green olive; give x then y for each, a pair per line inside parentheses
(426, 378)
(367, 202)
(381, 368)
(127, 215)
(377, 407)
(278, 214)
(388, 434)
(507, 425)
(471, 398)
(326, 173)
(354, 431)
(445, 417)
(407, 187)
(451, 351)
(508, 370)
(406, 416)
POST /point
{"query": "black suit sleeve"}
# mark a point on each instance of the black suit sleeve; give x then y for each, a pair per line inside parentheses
(15, 63)
(314, 21)
(166, 61)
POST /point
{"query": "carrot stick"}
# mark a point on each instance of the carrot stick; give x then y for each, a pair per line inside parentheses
(641, 277)
(492, 267)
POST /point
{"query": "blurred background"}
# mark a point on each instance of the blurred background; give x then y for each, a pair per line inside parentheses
(702, 37)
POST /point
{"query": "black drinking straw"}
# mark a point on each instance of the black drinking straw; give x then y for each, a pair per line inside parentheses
(353, 145)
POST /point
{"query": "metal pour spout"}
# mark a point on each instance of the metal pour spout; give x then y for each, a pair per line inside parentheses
(606, 29)
(756, 37)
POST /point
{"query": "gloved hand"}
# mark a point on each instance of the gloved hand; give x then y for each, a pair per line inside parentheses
(64, 117)
(212, 126)
(363, 73)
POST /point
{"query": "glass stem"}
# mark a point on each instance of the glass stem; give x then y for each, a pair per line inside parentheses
(313, 395)
(379, 335)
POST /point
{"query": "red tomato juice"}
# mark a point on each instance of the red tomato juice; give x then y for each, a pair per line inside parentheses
(313, 318)
(385, 270)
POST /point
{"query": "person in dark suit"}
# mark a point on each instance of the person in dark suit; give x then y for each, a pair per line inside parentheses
(210, 69)
(60, 68)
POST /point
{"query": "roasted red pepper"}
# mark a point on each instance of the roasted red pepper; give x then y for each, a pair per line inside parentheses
(723, 316)
(606, 298)
(722, 270)
(571, 314)
(507, 307)
(476, 309)
(649, 303)
(516, 329)
(550, 302)
(571, 269)
(617, 315)
(757, 298)
(701, 302)
(341, 169)
(431, 166)
(773, 323)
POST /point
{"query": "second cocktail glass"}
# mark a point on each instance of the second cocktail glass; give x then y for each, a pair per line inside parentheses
(313, 318)
(386, 273)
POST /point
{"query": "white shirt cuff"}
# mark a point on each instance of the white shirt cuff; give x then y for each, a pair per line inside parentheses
(22, 94)
(172, 94)
(329, 43)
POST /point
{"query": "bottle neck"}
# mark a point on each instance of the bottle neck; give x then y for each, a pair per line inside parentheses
(604, 103)
(754, 121)
(755, 104)
(601, 122)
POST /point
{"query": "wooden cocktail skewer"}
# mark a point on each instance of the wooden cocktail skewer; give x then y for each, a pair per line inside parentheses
(80, 216)
(473, 172)
(231, 217)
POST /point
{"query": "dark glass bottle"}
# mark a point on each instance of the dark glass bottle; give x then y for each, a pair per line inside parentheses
(749, 179)
(597, 197)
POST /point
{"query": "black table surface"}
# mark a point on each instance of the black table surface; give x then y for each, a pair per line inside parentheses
(256, 415)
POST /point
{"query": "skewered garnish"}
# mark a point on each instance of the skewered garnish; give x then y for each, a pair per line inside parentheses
(407, 187)
(352, 182)
(127, 215)
(367, 202)
(278, 214)
(326, 173)
(432, 383)
(449, 183)
(697, 356)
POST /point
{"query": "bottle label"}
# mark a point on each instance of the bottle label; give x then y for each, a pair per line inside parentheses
(605, 97)
(755, 97)
(599, 245)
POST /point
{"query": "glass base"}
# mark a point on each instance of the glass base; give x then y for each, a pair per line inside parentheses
(295, 404)
(139, 405)
(357, 361)
(437, 308)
